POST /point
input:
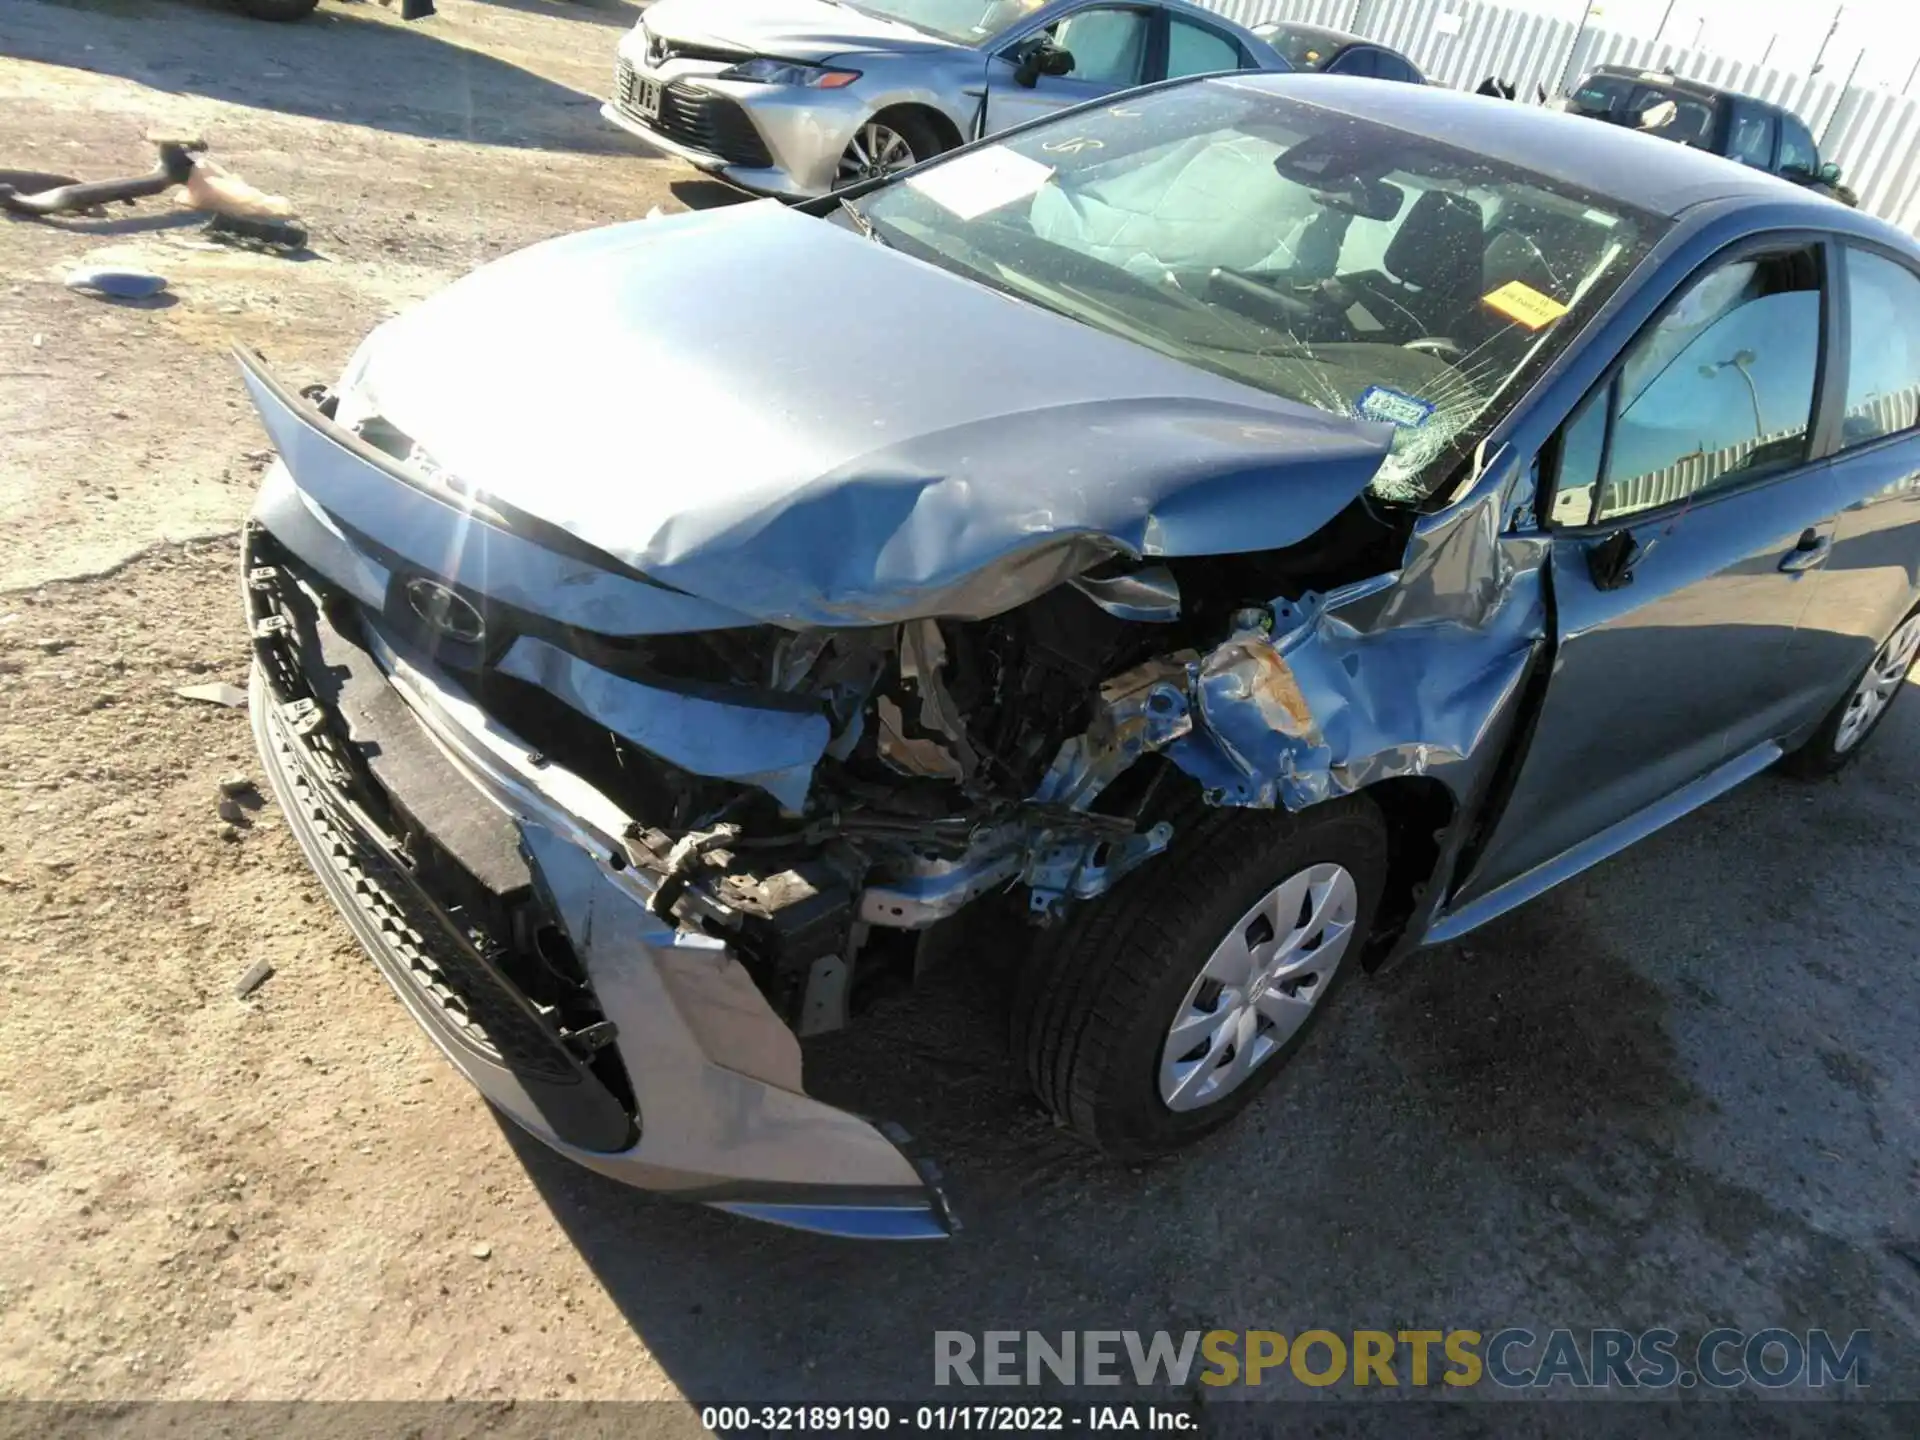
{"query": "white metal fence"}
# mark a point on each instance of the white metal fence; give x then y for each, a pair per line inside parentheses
(1873, 134)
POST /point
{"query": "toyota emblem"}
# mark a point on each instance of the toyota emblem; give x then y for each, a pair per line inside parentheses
(445, 611)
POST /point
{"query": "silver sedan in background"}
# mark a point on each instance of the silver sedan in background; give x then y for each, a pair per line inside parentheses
(801, 97)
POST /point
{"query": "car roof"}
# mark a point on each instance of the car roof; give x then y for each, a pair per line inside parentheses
(1686, 85)
(1321, 32)
(1638, 170)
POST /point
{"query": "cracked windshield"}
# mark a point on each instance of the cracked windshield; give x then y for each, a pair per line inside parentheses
(1333, 261)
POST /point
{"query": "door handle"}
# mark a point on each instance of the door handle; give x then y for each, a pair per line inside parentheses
(1812, 551)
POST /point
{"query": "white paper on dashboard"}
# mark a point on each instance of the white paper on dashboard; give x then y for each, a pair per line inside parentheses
(971, 185)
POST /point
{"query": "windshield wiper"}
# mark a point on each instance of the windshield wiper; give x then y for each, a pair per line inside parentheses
(861, 223)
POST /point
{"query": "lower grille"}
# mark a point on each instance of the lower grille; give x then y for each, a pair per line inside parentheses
(712, 123)
(446, 971)
(453, 959)
(626, 91)
(693, 116)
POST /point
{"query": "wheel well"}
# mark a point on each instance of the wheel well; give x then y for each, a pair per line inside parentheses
(942, 126)
(1418, 809)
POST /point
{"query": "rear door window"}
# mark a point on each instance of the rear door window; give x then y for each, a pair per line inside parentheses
(1883, 350)
(1392, 67)
(1195, 50)
(1361, 60)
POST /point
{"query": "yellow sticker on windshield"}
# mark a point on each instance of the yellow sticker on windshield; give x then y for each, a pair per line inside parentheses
(1518, 300)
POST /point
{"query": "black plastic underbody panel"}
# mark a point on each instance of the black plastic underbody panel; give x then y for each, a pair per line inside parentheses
(410, 768)
(441, 958)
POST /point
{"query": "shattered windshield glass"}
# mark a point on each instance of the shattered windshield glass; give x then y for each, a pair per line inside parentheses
(1334, 261)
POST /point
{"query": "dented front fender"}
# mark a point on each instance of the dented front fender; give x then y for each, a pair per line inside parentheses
(1406, 674)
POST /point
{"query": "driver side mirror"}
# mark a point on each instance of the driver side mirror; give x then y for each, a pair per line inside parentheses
(1610, 561)
(1829, 173)
(1037, 55)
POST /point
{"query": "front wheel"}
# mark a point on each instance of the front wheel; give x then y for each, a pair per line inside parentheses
(1168, 1004)
(886, 145)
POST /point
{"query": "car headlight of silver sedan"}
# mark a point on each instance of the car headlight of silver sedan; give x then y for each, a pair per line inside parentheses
(769, 71)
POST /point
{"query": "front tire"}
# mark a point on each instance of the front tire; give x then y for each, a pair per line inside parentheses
(890, 142)
(1166, 1006)
(1843, 734)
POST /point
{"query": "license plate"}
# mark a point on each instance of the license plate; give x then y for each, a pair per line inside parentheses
(646, 98)
(639, 94)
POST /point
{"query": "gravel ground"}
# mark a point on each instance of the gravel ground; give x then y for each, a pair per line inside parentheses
(1680, 1091)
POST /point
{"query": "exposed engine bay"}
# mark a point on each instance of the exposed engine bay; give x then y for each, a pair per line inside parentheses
(962, 758)
(625, 790)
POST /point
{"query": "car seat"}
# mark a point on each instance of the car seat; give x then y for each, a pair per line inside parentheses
(1431, 272)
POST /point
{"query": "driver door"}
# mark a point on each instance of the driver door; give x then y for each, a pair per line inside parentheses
(1110, 46)
(1691, 517)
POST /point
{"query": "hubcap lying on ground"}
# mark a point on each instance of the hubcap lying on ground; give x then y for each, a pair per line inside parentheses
(1259, 986)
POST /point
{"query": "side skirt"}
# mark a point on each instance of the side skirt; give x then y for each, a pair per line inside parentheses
(1615, 838)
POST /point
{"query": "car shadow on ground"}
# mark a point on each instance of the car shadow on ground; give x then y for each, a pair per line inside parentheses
(1055, 1238)
(337, 65)
(1592, 1111)
(707, 194)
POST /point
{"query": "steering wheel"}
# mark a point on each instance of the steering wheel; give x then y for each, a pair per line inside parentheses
(1296, 303)
(1437, 346)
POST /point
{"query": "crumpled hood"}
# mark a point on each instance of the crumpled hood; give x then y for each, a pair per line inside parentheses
(769, 411)
(789, 29)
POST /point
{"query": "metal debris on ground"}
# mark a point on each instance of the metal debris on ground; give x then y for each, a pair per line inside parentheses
(262, 234)
(173, 167)
(219, 693)
(33, 182)
(257, 975)
(236, 210)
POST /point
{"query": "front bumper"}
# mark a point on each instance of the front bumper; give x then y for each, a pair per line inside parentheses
(414, 807)
(756, 180)
(769, 139)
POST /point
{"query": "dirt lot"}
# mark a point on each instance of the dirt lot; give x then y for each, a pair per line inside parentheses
(1682, 1091)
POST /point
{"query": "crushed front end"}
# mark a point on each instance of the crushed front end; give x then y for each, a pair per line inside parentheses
(619, 844)
(617, 847)
(528, 880)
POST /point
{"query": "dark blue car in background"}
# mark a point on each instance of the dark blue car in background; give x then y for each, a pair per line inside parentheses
(1249, 528)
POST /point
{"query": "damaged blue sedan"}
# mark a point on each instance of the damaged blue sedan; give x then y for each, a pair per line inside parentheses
(1254, 529)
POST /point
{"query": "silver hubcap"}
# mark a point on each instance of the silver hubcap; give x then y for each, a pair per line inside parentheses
(1879, 685)
(1258, 987)
(875, 150)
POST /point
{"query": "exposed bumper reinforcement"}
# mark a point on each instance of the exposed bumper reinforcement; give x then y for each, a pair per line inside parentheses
(715, 1075)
